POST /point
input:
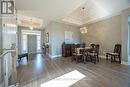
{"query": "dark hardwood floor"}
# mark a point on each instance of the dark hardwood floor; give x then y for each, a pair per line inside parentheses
(41, 69)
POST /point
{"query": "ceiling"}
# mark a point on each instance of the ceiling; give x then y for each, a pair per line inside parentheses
(69, 11)
(29, 21)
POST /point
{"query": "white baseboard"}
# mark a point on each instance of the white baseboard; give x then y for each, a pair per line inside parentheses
(124, 63)
(102, 56)
(55, 56)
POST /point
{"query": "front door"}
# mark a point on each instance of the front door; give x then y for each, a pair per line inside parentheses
(32, 44)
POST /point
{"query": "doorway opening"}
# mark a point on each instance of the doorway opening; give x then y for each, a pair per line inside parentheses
(31, 41)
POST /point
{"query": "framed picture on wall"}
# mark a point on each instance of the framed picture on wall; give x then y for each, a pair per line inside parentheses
(68, 37)
(47, 37)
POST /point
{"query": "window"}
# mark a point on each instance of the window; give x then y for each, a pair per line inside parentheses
(38, 43)
(24, 40)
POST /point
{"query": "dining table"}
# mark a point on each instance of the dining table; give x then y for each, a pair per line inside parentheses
(81, 50)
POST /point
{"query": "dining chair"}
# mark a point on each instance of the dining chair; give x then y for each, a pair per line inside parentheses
(93, 54)
(85, 55)
(79, 55)
(92, 45)
(74, 52)
(115, 54)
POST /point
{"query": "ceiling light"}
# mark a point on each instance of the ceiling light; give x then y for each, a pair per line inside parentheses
(83, 9)
(83, 30)
(31, 28)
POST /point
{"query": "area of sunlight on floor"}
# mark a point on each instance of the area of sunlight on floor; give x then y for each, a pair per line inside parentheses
(65, 80)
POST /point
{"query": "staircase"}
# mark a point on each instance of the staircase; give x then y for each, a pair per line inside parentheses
(8, 73)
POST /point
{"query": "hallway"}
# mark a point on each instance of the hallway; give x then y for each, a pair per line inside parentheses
(41, 69)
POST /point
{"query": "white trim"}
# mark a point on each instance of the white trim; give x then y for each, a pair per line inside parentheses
(85, 22)
(102, 56)
(55, 56)
(124, 63)
(102, 18)
(32, 32)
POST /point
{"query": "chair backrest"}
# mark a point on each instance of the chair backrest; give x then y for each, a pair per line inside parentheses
(117, 48)
(96, 48)
(92, 45)
(74, 48)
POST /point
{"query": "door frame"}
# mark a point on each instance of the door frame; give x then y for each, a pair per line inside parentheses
(128, 50)
(27, 32)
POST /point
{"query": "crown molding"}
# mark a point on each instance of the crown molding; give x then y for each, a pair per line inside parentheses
(90, 21)
(101, 19)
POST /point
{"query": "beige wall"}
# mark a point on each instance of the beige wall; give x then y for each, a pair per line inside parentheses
(124, 32)
(57, 35)
(107, 33)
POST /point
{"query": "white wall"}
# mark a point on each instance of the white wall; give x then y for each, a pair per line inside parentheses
(1, 69)
(129, 38)
(124, 32)
(0, 32)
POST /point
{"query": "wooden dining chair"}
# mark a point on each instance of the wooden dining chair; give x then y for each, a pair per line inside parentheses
(115, 54)
(93, 54)
(85, 56)
(79, 55)
(92, 45)
(75, 54)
